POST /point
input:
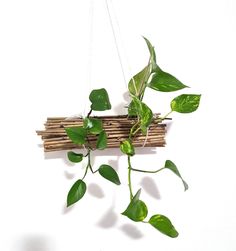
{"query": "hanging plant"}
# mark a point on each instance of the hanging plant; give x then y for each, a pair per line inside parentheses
(89, 132)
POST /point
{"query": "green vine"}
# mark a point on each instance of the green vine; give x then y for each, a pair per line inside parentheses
(80, 135)
(152, 76)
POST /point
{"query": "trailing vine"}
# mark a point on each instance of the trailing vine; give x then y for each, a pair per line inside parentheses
(152, 76)
(79, 135)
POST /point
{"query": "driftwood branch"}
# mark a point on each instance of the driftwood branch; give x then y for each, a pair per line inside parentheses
(117, 128)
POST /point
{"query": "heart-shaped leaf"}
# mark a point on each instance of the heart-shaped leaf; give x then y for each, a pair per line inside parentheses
(137, 209)
(100, 100)
(127, 148)
(102, 141)
(138, 83)
(165, 82)
(185, 103)
(76, 192)
(144, 113)
(75, 157)
(109, 173)
(76, 134)
(164, 225)
(94, 126)
(170, 165)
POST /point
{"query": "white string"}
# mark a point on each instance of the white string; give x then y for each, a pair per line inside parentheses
(116, 42)
(90, 54)
(123, 47)
(145, 141)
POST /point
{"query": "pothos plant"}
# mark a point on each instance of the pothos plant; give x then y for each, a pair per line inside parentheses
(152, 76)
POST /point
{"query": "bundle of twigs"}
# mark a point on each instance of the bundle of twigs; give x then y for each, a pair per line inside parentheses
(117, 128)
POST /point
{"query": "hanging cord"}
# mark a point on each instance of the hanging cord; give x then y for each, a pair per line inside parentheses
(89, 63)
(90, 54)
(119, 54)
(122, 46)
(116, 42)
(125, 54)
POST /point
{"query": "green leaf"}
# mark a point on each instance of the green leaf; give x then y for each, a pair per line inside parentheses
(102, 141)
(152, 55)
(127, 147)
(170, 165)
(131, 109)
(100, 100)
(109, 173)
(161, 81)
(185, 103)
(75, 157)
(137, 195)
(165, 82)
(138, 83)
(87, 123)
(137, 209)
(94, 126)
(164, 225)
(144, 113)
(76, 192)
(76, 134)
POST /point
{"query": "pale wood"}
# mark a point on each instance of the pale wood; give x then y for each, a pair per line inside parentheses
(117, 128)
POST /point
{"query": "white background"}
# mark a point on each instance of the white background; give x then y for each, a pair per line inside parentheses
(44, 59)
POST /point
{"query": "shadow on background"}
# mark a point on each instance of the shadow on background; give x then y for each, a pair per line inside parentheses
(35, 243)
(106, 152)
(109, 219)
(169, 124)
(69, 175)
(95, 190)
(66, 210)
(150, 187)
(61, 155)
(131, 231)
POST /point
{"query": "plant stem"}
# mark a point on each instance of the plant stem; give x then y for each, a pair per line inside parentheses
(132, 129)
(144, 171)
(89, 113)
(129, 178)
(86, 170)
(133, 134)
(93, 171)
(86, 155)
(89, 164)
(89, 159)
(162, 118)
